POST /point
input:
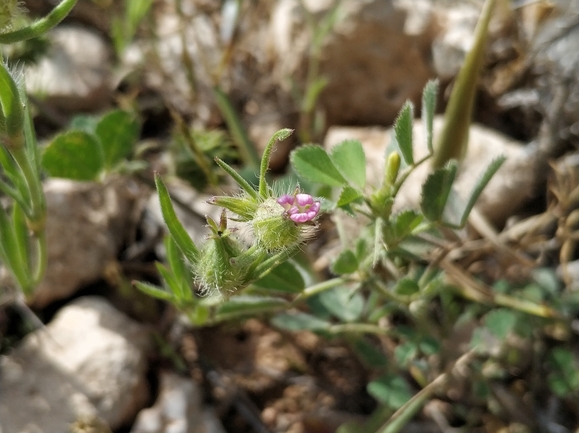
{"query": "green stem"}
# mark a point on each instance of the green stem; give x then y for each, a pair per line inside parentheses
(319, 288)
(41, 26)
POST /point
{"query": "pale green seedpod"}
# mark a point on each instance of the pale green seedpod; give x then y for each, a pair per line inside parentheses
(217, 271)
(273, 230)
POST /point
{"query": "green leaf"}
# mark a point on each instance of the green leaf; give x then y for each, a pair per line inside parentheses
(563, 378)
(199, 315)
(313, 164)
(370, 353)
(170, 281)
(350, 160)
(176, 229)
(181, 272)
(547, 279)
(500, 322)
(345, 263)
(343, 302)
(428, 108)
(299, 321)
(407, 221)
(84, 123)
(73, 155)
(391, 390)
(406, 352)
(480, 185)
(406, 287)
(348, 195)
(436, 190)
(11, 250)
(154, 291)
(118, 132)
(246, 305)
(11, 112)
(283, 278)
(403, 132)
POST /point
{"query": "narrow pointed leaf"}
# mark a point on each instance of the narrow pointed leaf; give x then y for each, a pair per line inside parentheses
(245, 185)
(350, 160)
(313, 164)
(245, 305)
(154, 291)
(176, 229)
(480, 185)
(403, 132)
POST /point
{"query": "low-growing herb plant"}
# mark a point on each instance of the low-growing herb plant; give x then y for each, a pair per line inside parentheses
(23, 215)
(393, 265)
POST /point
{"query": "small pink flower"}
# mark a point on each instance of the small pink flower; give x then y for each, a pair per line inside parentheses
(301, 208)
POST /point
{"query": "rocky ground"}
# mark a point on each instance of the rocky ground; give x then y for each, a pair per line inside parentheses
(90, 353)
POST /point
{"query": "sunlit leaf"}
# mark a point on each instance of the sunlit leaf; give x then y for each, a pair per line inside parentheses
(350, 160)
(313, 164)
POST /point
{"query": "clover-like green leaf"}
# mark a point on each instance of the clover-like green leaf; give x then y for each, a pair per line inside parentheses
(390, 389)
(313, 164)
(345, 263)
(350, 160)
(118, 132)
(343, 302)
(283, 278)
(74, 155)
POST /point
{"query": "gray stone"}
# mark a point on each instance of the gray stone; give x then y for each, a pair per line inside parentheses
(86, 225)
(89, 362)
(178, 409)
(76, 72)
